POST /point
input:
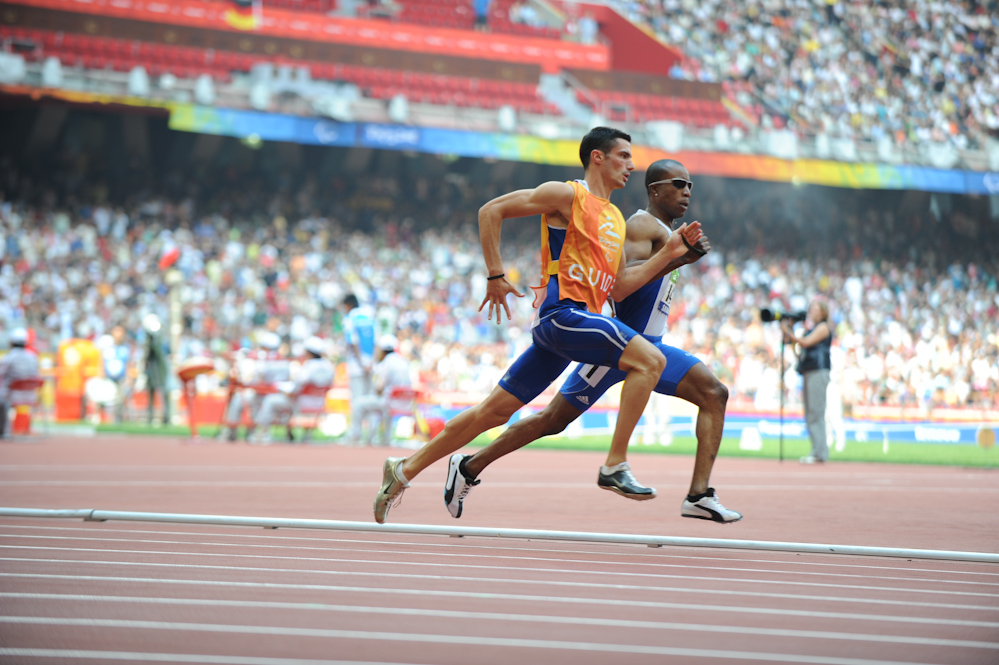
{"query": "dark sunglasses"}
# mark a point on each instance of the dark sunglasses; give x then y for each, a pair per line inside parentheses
(679, 183)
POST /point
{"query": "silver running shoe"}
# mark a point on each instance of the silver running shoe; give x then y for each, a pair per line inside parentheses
(623, 482)
(458, 486)
(707, 507)
(390, 494)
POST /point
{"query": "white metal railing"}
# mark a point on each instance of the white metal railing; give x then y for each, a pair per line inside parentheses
(91, 515)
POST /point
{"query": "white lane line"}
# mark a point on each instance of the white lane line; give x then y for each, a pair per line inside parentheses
(519, 569)
(189, 468)
(397, 552)
(476, 580)
(476, 641)
(530, 618)
(524, 598)
(553, 547)
(147, 657)
(209, 482)
(917, 474)
(180, 483)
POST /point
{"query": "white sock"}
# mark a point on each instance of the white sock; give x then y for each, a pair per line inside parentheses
(608, 470)
(398, 472)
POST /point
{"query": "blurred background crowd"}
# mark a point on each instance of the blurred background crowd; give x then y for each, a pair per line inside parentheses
(911, 277)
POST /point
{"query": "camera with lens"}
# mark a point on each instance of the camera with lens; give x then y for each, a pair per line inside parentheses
(768, 315)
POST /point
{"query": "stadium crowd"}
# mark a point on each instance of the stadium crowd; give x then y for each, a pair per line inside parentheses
(913, 292)
(910, 71)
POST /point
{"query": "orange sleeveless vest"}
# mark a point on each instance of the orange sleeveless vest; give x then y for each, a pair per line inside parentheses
(591, 254)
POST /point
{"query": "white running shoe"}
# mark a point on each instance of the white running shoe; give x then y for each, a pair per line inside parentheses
(707, 507)
(458, 485)
(393, 486)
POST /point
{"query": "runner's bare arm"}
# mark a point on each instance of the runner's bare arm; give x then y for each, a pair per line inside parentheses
(635, 276)
(551, 198)
(689, 257)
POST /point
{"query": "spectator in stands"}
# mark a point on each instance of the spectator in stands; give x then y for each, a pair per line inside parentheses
(588, 29)
(391, 371)
(18, 363)
(524, 13)
(481, 14)
(254, 376)
(278, 408)
(387, 9)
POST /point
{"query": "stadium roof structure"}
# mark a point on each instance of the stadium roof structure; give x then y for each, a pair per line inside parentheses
(297, 37)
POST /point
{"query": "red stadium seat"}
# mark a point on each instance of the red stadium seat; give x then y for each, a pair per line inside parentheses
(189, 62)
(24, 400)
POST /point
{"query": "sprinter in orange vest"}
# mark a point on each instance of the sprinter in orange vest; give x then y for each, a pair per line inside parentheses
(582, 253)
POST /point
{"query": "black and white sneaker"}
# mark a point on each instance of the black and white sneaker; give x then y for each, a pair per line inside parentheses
(458, 485)
(706, 506)
(623, 482)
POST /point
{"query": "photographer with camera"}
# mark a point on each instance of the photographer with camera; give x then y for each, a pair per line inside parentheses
(814, 365)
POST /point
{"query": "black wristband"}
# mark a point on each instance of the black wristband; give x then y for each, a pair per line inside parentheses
(695, 250)
(492, 277)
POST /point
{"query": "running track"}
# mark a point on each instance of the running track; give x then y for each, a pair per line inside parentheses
(82, 592)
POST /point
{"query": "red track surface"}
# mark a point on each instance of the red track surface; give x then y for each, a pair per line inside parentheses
(73, 591)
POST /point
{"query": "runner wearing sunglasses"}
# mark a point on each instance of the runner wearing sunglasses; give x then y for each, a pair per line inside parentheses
(646, 310)
(583, 263)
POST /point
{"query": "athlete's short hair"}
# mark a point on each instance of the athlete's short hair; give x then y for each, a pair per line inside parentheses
(599, 138)
(657, 170)
(350, 300)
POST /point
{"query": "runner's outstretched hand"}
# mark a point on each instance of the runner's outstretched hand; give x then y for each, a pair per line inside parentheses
(684, 237)
(496, 293)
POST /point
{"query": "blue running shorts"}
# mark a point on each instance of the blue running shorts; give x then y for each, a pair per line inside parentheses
(580, 336)
(589, 382)
(533, 371)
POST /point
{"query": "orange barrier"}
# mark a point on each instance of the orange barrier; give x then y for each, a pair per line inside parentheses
(188, 371)
(76, 361)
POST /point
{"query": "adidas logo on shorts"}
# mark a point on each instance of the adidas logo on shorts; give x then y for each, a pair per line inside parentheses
(583, 399)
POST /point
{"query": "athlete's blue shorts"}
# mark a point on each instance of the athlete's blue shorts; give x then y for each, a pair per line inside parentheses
(570, 331)
(532, 372)
(588, 382)
(566, 333)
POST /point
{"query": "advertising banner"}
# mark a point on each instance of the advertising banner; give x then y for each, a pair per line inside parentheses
(520, 148)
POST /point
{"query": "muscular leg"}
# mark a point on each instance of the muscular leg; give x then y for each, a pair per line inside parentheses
(701, 388)
(494, 411)
(644, 363)
(555, 418)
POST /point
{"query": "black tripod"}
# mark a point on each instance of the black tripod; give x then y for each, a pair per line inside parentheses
(783, 341)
